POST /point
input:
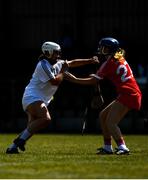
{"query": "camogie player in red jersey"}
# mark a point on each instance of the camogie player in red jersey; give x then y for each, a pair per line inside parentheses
(116, 69)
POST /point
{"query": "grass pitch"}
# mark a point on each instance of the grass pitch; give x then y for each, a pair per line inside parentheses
(50, 156)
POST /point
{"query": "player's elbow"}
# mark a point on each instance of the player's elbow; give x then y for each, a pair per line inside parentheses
(57, 80)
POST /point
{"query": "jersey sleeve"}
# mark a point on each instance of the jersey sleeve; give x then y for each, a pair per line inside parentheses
(46, 72)
(58, 66)
(102, 71)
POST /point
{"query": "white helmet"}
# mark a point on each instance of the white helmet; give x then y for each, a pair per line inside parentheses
(50, 47)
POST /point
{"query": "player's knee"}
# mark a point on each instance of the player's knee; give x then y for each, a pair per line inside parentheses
(47, 120)
(111, 125)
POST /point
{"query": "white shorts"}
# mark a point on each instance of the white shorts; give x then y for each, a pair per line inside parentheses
(28, 100)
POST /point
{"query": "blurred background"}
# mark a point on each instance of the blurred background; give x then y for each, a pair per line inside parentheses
(77, 25)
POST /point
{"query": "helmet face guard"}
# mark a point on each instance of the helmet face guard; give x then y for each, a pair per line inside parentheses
(108, 46)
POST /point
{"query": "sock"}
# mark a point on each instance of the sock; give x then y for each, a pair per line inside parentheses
(25, 134)
(12, 146)
(107, 144)
(108, 147)
(107, 141)
(120, 141)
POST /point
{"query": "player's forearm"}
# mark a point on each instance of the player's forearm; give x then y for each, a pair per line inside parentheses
(83, 81)
(81, 62)
(57, 80)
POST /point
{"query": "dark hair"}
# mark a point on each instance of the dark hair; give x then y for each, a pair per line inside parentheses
(42, 56)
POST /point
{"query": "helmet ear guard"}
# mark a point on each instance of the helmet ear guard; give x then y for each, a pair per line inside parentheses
(46, 53)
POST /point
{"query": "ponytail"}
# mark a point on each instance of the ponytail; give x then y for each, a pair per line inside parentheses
(119, 54)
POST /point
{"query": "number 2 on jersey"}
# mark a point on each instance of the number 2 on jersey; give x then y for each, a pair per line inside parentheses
(124, 76)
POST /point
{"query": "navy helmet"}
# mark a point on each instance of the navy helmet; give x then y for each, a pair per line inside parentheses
(109, 42)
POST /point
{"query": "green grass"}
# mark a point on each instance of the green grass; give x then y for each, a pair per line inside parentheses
(72, 157)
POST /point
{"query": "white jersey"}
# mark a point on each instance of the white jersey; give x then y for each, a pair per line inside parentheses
(39, 87)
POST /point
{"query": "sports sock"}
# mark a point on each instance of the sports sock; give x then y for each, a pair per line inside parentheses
(107, 144)
(108, 147)
(12, 146)
(25, 134)
(121, 143)
(107, 141)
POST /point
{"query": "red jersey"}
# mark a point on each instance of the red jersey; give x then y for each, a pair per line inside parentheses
(120, 73)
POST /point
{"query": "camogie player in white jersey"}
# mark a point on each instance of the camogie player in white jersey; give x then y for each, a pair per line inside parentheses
(45, 80)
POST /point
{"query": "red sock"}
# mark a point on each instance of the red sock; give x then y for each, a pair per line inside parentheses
(120, 141)
(107, 141)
